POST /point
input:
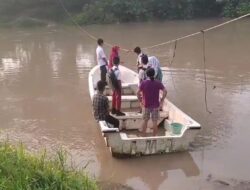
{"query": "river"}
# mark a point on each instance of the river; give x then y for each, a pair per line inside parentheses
(45, 103)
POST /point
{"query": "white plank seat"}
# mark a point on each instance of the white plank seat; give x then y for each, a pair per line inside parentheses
(137, 115)
(127, 89)
(133, 120)
(105, 128)
(128, 101)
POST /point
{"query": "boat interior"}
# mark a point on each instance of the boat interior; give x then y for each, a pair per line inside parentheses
(130, 124)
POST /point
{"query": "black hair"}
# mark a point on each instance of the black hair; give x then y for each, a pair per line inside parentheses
(101, 86)
(100, 41)
(144, 59)
(137, 50)
(116, 60)
(150, 73)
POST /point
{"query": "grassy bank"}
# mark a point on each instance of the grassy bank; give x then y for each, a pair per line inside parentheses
(24, 171)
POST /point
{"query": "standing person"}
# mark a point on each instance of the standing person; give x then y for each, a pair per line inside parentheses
(101, 59)
(142, 76)
(148, 95)
(139, 53)
(117, 88)
(101, 106)
(114, 53)
(153, 62)
(142, 72)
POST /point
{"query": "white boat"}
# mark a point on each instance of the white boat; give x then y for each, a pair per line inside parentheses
(127, 140)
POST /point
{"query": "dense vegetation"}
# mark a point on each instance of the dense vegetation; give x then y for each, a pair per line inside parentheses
(21, 170)
(106, 11)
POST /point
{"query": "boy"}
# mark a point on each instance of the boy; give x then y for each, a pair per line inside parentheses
(101, 106)
(148, 95)
(101, 60)
(117, 90)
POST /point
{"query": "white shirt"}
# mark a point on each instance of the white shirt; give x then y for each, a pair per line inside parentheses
(100, 55)
(139, 59)
(154, 63)
(142, 73)
(117, 72)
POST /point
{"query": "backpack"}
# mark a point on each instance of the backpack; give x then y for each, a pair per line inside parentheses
(113, 82)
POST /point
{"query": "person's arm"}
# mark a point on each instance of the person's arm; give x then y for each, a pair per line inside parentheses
(105, 60)
(106, 105)
(139, 95)
(164, 94)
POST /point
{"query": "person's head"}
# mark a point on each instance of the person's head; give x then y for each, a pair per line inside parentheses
(115, 48)
(150, 73)
(144, 59)
(116, 61)
(137, 50)
(100, 42)
(100, 86)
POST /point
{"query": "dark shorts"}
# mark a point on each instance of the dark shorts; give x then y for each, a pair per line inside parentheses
(152, 113)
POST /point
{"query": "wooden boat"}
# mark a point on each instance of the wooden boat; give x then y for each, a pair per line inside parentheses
(127, 140)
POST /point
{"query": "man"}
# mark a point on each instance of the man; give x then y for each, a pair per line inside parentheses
(101, 106)
(101, 60)
(153, 62)
(149, 95)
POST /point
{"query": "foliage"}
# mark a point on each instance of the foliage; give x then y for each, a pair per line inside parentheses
(21, 170)
(107, 11)
(243, 8)
(234, 8)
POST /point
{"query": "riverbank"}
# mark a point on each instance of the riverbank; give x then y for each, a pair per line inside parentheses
(20, 169)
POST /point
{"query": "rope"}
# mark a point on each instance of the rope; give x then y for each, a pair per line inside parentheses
(82, 29)
(170, 65)
(196, 33)
(204, 69)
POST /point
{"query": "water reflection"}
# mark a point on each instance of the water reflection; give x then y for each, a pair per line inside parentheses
(84, 60)
(10, 65)
(55, 56)
(146, 172)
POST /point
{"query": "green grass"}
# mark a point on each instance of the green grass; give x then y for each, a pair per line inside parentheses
(21, 170)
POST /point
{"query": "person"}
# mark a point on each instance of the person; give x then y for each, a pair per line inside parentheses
(142, 72)
(117, 90)
(139, 53)
(114, 53)
(142, 76)
(149, 96)
(101, 59)
(153, 62)
(101, 106)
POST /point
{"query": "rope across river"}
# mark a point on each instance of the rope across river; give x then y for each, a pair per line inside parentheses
(153, 46)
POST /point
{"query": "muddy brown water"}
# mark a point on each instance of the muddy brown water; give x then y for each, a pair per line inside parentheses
(44, 100)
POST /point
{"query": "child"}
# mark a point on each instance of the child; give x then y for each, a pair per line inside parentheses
(117, 92)
(114, 53)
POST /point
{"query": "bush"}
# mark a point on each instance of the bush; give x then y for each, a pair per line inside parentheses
(21, 170)
(243, 8)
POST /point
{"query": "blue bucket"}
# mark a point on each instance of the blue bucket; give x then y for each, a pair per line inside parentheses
(176, 128)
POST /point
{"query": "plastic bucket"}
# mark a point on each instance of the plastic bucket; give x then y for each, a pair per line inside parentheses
(176, 128)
